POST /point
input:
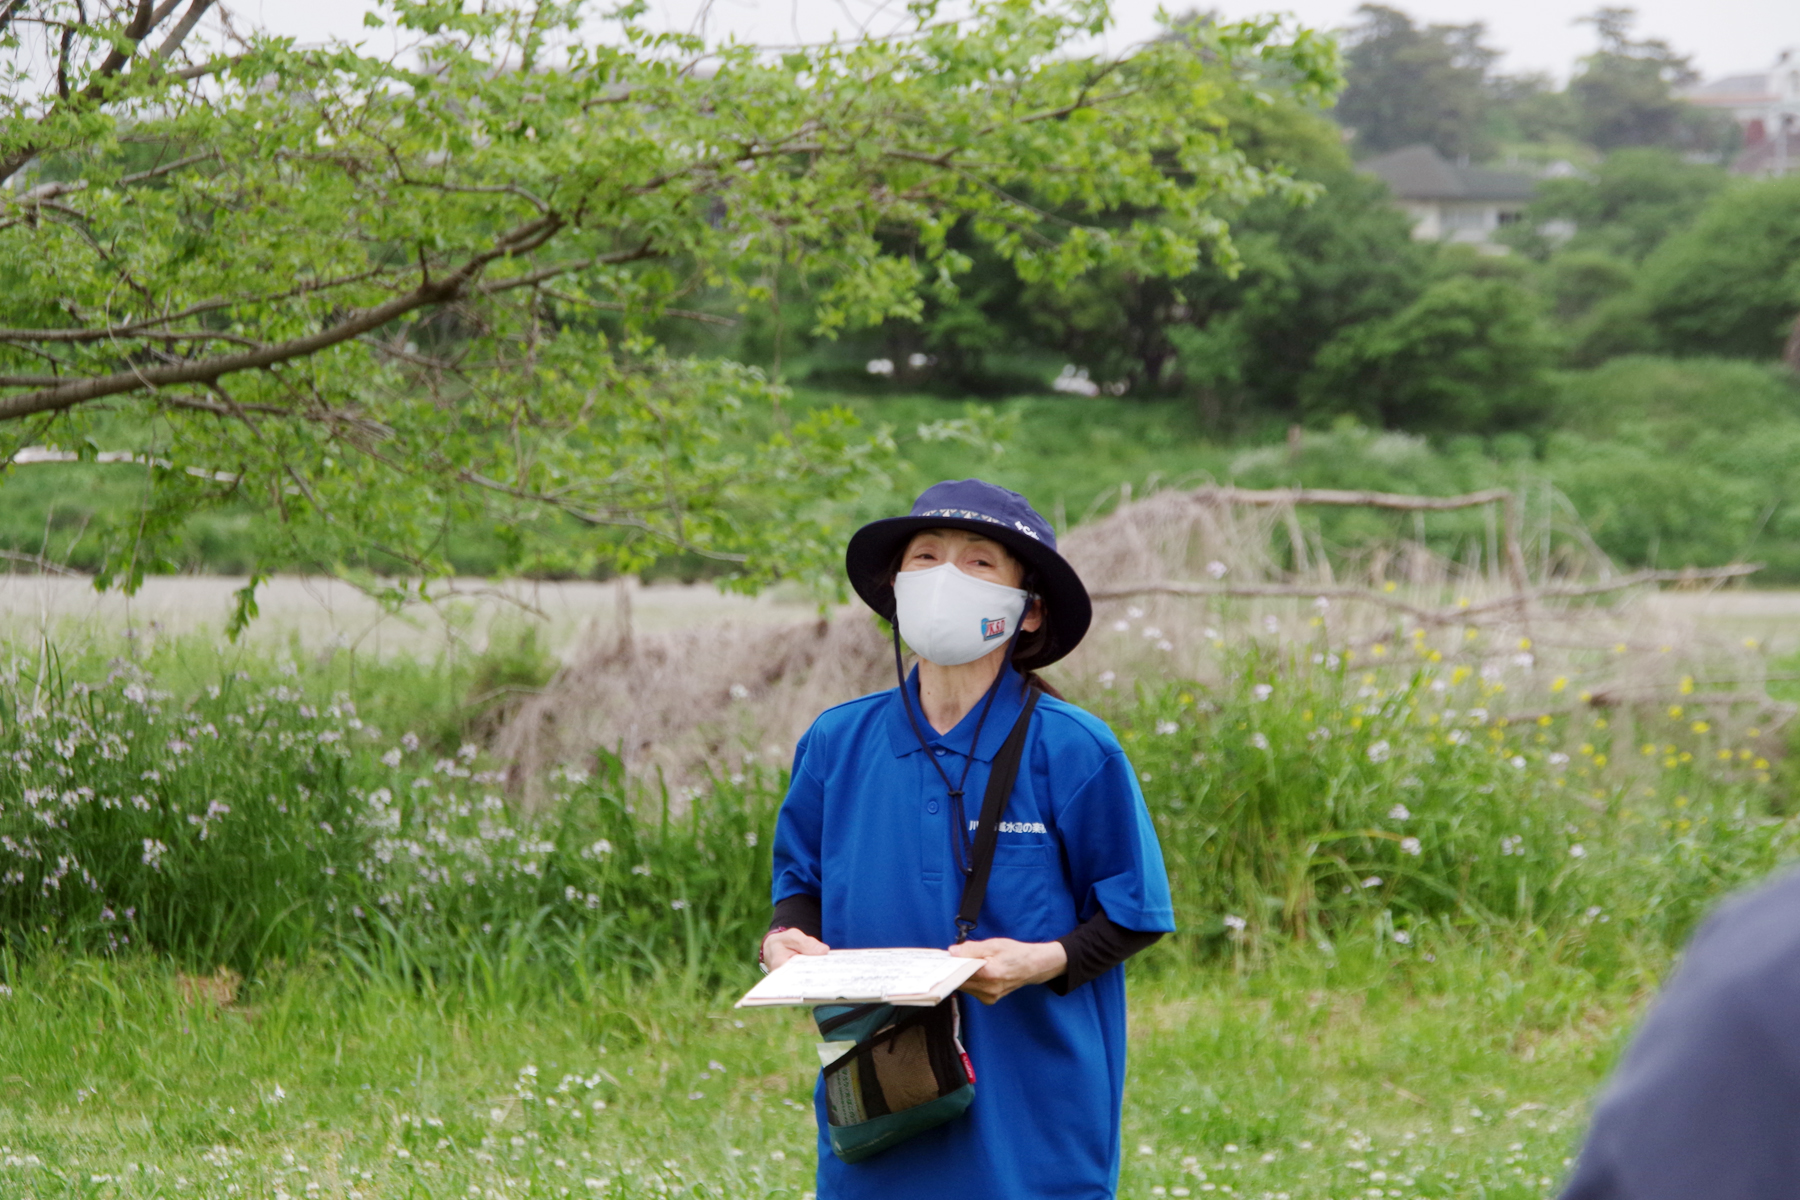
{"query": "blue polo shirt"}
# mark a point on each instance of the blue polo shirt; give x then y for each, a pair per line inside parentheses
(866, 827)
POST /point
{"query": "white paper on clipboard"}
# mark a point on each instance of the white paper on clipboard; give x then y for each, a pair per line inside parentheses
(901, 975)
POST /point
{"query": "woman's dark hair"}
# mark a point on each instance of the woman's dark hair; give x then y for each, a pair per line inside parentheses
(1028, 644)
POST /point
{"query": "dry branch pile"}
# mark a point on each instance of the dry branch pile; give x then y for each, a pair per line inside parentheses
(1181, 579)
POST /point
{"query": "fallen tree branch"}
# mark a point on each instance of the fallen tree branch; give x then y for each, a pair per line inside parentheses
(43, 564)
(1438, 616)
(1277, 497)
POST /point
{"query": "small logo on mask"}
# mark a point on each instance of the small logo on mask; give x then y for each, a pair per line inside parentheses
(993, 627)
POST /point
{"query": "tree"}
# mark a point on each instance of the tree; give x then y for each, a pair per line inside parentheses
(1404, 84)
(366, 297)
(1629, 203)
(1729, 284)
(1310, 272)
(1624, 93)
(1470, 355)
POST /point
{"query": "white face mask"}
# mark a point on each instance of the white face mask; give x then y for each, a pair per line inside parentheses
(950, 618)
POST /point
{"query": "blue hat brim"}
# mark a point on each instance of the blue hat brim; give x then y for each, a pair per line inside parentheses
(869, 563)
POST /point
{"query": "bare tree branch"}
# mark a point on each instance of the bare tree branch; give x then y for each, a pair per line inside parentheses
(520, 240)
(135, 329)
(183, 27)
(144, 19)
(48, 566)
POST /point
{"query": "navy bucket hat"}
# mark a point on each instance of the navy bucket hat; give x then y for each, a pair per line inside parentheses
(994, 512)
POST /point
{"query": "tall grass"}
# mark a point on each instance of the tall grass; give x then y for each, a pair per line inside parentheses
(1317, 800)
(1304, 796)
(254, 820)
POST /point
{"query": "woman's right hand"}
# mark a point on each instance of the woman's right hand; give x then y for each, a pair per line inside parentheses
(783, 944)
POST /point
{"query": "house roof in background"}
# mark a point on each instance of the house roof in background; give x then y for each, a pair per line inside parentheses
(1733, 90)
(1421, 173)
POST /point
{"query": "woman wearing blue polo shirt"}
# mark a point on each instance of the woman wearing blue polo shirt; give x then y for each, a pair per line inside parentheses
(873, 843)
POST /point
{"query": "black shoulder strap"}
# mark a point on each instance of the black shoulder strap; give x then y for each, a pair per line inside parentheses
(993, 804)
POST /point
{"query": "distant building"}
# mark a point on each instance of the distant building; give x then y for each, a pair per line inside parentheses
(1766, 106)
(1451, 203)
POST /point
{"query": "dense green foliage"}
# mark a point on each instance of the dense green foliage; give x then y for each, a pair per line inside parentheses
(376, 321)
(1468, 354)
(1730, 284)
(1626, 205)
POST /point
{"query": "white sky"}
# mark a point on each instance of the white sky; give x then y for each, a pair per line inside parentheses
(1724, 37)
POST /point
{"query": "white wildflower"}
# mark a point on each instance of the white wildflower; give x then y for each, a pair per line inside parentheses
(1166, 727)
(1399, 813)
(1262, 691)
(1380, 751)
(1216, 569)
(1411, 845)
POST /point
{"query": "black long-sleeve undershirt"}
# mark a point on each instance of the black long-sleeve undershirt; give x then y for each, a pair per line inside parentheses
(1094, 947)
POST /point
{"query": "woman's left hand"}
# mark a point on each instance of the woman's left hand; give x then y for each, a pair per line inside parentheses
(1010, 965)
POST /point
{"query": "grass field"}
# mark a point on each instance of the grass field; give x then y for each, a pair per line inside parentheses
(1449, 1070)
(269, 931)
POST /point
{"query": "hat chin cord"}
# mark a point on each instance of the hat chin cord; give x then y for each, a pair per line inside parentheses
(958, 832)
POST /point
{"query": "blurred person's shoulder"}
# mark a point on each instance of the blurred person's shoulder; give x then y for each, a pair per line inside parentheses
(1750, 946)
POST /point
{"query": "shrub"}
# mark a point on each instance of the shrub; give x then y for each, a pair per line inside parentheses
(1468, 356)
(1728, 285)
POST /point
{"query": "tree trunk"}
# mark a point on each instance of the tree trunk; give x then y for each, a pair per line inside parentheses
(1791, 355)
